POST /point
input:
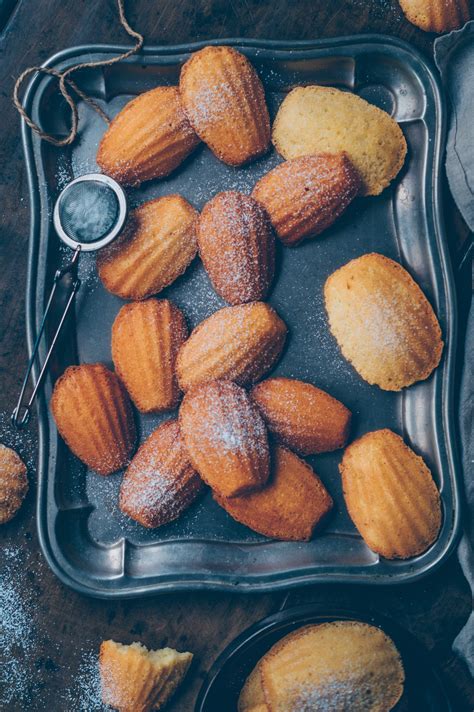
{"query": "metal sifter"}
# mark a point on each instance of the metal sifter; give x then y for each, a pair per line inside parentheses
(88, 215)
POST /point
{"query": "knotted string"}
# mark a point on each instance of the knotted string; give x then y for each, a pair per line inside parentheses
(66, 83)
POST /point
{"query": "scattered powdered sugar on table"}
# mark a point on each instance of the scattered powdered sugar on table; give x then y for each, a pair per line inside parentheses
(22, 640)
(18, 635)
(85, 695)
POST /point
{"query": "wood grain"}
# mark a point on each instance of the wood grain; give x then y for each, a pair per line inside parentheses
(70, 625)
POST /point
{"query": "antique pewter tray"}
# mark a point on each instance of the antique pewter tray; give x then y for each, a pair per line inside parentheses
(86, 540)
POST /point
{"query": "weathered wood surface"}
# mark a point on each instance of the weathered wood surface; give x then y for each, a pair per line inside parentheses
(69, 625)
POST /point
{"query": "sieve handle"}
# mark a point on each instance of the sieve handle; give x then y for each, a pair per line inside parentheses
(22, 412)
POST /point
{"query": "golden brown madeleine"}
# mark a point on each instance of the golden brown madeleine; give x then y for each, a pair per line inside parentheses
(134, 679)
(237, 247)
(437, 15)
(146, 338)
(317, 119)
(94, 417)
(158, 244)
(343, 665)
(382, 321)
(303, 417)
(160, 482)
(226, 437)
(225, 103)
(13, 483)
(289, 507)
(390, 495)
(252, 698)
(238, 343)
(304, 196)
(149, 138)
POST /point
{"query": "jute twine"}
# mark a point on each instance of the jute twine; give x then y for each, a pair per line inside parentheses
(66, 84)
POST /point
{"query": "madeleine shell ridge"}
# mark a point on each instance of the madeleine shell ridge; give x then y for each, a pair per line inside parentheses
(147, 139)
(94, 417)
(134, 679)
(304, 196)
(160, 482)
(437, 15)
(290, 506)
(224, 100)
(302, 416)
(156, 247)
(342, 665)
(146, 338)
(238, 343)
(390, 495)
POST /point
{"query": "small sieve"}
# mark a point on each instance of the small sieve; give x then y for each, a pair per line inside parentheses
(88, 215)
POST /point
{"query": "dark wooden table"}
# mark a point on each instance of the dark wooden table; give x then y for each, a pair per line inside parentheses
(68, 628)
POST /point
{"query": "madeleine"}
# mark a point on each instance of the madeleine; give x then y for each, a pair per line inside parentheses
(383, 322)
(224, 101)
(148, 139)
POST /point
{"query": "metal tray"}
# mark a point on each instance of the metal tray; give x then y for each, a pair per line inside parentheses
(424, 689)
(86, 540)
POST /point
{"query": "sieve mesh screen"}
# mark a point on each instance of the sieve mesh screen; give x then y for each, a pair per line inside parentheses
(88, 211)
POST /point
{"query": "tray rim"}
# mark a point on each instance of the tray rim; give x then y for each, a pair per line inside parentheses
(267, 48)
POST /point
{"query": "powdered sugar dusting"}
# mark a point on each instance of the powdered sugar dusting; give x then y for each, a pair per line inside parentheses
(160, 482)
(226, 421)
(338, 695)
(211, 102)
(386, 323)
(23, 639)
(22, 441)
(238, 343)
(237, 247)
(154, 496)
(17, 631)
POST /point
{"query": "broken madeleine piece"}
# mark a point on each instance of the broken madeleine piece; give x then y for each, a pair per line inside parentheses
(147, 139)
(289, 507)
(157, 245)
(390, 495)
(134, 679)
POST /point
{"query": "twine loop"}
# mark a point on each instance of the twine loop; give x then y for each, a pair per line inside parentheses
(66, 84)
